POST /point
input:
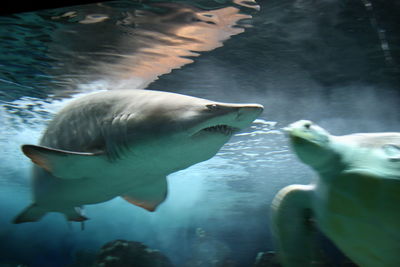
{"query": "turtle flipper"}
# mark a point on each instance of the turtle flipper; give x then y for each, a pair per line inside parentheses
(292, 229)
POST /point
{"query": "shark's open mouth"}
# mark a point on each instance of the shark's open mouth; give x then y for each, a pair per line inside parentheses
(222, 129)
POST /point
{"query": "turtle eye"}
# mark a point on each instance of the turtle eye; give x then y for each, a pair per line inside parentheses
(307, 125)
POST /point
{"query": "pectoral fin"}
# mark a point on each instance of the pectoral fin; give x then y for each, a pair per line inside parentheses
(293, 229)
(148, 196)
(63, 164)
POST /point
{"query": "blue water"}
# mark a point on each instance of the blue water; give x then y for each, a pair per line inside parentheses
(333, 62)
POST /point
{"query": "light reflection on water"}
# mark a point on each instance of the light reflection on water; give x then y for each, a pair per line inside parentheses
(138, 47)
(65, 50)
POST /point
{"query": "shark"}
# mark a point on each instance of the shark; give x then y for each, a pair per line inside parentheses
(124, 143)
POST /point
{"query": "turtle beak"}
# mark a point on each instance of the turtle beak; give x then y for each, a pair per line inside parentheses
(301, 129)
(307, 131)
(287, 129)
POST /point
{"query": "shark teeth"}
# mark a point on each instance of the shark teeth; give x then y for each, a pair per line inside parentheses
(223, 129)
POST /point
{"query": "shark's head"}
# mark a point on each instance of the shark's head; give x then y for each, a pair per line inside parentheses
(187, 129)
(211, 126)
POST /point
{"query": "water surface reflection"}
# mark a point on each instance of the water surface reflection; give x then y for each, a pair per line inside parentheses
(104, 46)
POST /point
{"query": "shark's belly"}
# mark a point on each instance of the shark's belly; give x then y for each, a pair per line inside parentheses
(54, 193)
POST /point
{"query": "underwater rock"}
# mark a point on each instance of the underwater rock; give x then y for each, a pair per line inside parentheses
(124, 253)
(270, 259)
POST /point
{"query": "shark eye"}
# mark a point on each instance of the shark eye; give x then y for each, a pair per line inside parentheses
(213, 107)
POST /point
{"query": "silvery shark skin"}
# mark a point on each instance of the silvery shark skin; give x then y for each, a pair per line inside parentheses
(124, 143)
(355, 201)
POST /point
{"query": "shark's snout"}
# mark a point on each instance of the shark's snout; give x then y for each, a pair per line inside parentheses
(242, 112)
(229, 118)
(249, 112)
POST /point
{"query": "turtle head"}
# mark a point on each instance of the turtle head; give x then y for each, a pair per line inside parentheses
(312, 144)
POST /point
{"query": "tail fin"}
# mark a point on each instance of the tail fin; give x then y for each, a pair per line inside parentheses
(32, 213)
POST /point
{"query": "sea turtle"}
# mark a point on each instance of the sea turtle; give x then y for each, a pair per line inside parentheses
(355, 202)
